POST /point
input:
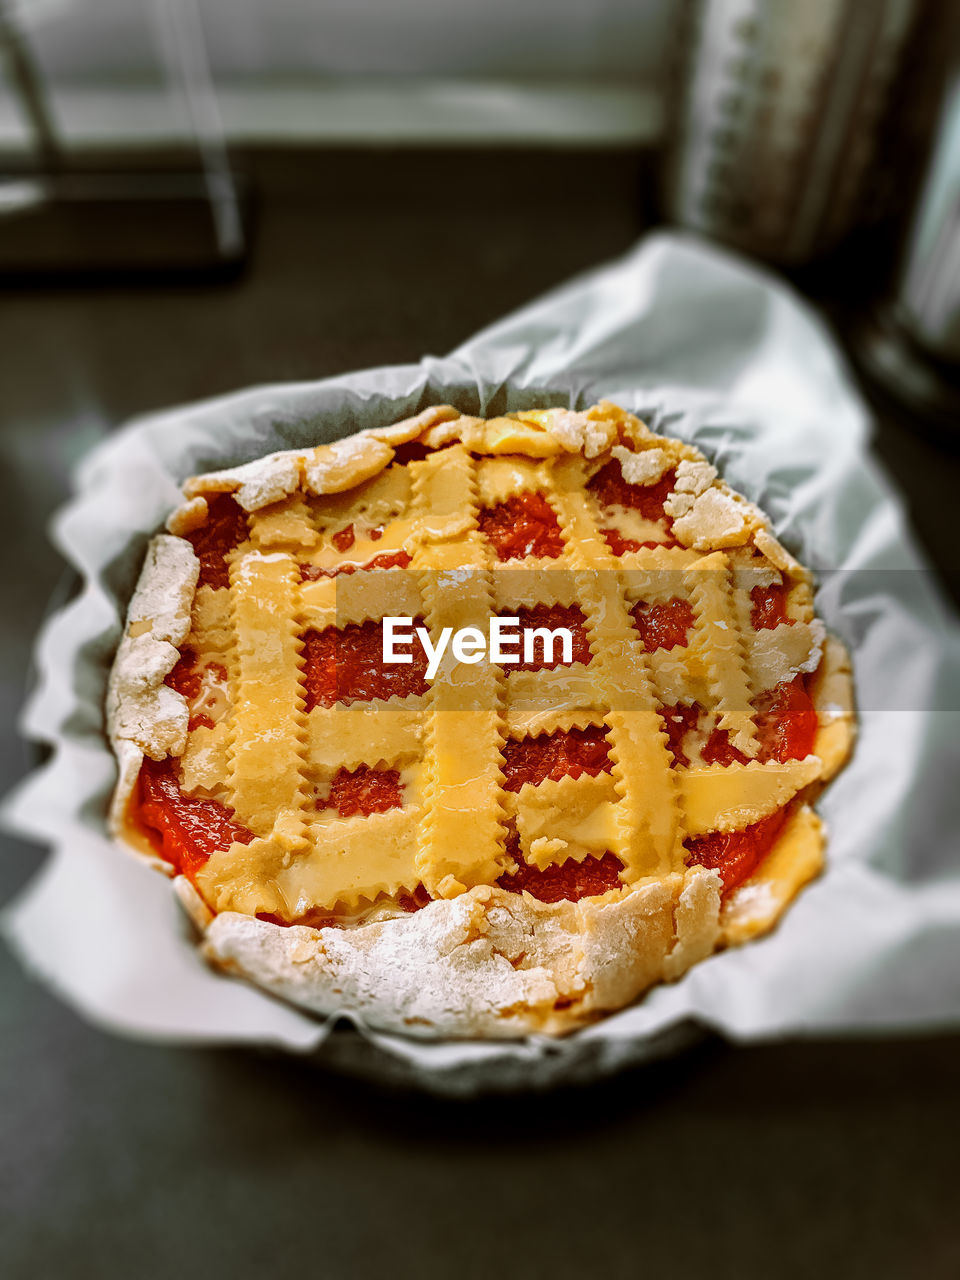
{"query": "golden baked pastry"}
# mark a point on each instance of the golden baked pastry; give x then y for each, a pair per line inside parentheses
(475, 727)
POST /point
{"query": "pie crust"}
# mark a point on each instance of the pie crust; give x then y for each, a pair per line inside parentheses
(313, 903)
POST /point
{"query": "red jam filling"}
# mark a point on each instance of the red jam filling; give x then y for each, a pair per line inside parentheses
(346, 665)
(551, 616)
(786, 721)
(412, 451)
(185, 830)
(718, 749)
(415, 901)
(359, 792)
(736, 854)
(525, 525)
(610, 489)
(564, 881)
(566, 753)
(678, 721)
(225, 529)
(769, 607)
(620, 545)
(663, 626)
(187, 679)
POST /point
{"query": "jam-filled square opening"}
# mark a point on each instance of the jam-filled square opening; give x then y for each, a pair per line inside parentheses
(362, 791)
(561, 754)
(524, 525)
(665, 625)
(611, 490)
(226, 526)
(560, 881)
(534, 651)
(345, 665)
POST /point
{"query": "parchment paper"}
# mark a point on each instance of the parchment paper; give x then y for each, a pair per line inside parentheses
(702, 347)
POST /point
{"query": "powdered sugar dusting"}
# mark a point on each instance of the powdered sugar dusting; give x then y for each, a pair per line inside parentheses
(645, 467)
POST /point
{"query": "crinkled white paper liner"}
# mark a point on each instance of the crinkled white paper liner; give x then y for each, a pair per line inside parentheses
(705, 348)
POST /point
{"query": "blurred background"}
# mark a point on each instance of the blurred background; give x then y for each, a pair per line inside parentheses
(198, 195)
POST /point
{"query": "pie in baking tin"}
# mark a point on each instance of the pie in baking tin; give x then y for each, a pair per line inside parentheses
(603, 773)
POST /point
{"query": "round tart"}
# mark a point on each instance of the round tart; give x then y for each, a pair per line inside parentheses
(475, 727)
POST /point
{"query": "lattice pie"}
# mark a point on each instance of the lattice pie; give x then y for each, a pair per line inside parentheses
(475, 727)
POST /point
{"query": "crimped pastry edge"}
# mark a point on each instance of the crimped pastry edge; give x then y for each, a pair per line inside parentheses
(485, 964)
(145, 716)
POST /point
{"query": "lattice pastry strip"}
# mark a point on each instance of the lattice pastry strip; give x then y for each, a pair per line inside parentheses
(532, 722)
(718, 798)
(461, 835)
(540, 701)
(779, 653)
(284, 525)
(384, 498)
(268, 726)
(536, 582)
(244, 878)
(648, 813)
(371, 733)
(359, 597)
(205, 762)
(501, 478)
(584, 809)
(718, 645)
(676, 679)
(354, 860)
(656, 574)
(211, 630)
(445, 502)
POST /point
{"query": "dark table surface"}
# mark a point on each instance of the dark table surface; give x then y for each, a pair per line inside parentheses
(119, 1157)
